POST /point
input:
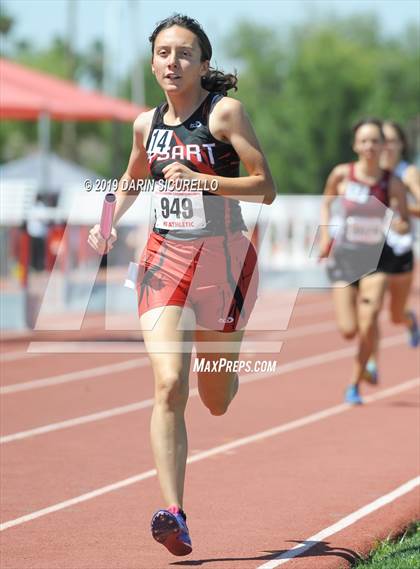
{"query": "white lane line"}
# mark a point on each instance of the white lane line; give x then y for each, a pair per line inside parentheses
(334, 355)
(111, 368)
(94, 372)
(248, 345)
(309, 329)
(286, 427)
(13, 356)
(301, 363)
(74, 376)
(115, 411)
(292, 311)
(318, 306)
(85, 374)
(342, 524)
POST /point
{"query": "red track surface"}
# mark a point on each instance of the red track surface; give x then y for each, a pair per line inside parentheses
(246, 504)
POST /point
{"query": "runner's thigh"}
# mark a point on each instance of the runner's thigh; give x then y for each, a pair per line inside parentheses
(168, 337)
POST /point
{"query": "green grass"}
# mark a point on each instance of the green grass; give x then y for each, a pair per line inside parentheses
(400, 553)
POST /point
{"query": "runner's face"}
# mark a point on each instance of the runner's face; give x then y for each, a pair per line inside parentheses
(176, 60)
(368, 143)
(393, 145)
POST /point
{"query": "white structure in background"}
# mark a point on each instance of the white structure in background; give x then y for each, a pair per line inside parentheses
(287, 229)
(20, 183)
(16, 199)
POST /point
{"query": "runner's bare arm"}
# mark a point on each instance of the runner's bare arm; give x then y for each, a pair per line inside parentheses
(229, 122)
(412, 180)
(398, 199)
(137, 168)
(336, 176)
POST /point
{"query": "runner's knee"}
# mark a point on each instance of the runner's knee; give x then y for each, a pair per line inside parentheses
(347, 332)
(369, 314)
(368, 321)
(171, 391)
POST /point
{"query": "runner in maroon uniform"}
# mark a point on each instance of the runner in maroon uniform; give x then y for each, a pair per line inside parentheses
(198, 274)
(366, 191)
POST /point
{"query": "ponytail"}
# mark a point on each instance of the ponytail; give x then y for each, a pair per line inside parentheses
(219, 82)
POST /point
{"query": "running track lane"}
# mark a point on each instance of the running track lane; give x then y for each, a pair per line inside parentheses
(41, 412)
(118, 384)
(284, 478)
(91, 448)
(275, 501)
(222, 428)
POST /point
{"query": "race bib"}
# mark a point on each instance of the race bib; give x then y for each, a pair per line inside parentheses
(367, 230)
(179, 210)
(160, 141)
(356, 192)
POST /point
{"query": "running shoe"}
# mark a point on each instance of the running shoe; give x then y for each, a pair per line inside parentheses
(371, 373)
(170, 529)
(413, 330)
(352, 395)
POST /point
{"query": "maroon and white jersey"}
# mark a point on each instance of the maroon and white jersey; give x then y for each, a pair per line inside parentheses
(191, 215)
(365, 210)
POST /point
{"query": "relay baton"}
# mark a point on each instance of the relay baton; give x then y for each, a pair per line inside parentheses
(107, 216)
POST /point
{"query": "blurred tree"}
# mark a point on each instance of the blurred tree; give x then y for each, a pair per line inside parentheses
(153, 96)
(305, 91)
(53, 59)
(92, 64)
(6, 22)
(152, 92)
(6, 25)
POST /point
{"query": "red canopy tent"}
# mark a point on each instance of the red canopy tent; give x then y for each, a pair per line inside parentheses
(27, 94)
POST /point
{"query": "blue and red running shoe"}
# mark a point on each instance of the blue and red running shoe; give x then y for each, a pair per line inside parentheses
(170, 529)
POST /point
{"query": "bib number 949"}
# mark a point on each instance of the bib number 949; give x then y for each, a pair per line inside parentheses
(180, 207)
(175, 211)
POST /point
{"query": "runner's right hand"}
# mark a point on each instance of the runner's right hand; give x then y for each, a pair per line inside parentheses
(98, 243)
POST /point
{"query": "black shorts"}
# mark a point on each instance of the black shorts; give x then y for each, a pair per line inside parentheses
(398, 264)
(350, 264)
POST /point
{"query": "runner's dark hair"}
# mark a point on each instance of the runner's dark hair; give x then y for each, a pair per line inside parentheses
(401, 135)
(369, 120)
(215, 80)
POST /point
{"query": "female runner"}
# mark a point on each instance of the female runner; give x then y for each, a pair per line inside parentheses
(401, 261)
(198, 271)
(399, 264)
(358, 287)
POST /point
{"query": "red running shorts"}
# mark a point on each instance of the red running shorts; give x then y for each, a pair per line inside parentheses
(217, 277)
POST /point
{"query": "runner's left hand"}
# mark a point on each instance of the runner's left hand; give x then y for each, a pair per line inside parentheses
(400, 226)
(177, 171)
